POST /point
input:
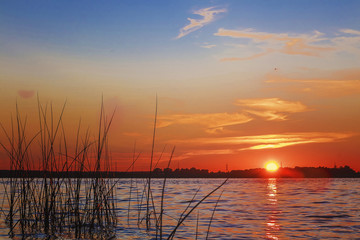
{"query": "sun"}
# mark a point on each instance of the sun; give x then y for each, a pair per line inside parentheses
(271, 166)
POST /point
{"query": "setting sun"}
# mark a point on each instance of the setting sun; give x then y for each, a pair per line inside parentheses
(271, 166)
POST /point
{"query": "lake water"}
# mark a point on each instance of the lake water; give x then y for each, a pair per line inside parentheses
(247, 209)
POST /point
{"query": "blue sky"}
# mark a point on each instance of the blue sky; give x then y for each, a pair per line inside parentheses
(102, 27)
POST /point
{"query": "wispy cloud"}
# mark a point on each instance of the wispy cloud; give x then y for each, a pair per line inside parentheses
(208, 46)
(347, 41)
(350, 31)
(339, 83)
(271, 141)
(208, 15)
(291, 44)
(271, 108)
(285, 140)
(268, 108)
(212, 121)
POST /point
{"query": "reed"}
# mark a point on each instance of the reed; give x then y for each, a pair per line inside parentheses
(212, 215)
(56, 207)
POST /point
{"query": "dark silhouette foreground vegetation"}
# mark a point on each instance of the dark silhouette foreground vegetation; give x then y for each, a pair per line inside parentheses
(72, 195)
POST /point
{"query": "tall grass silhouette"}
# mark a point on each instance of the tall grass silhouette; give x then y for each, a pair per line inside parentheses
(77, 208)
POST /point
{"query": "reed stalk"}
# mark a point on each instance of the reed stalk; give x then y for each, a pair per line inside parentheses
(78, 208)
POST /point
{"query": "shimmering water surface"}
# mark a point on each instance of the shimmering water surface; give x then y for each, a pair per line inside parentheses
(247, 209)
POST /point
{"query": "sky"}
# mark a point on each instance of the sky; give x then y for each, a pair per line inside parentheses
(238, 83)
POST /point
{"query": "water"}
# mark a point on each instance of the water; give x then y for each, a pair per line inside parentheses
(247, 209)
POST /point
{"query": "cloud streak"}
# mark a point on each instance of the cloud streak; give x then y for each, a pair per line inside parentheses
(208, 46)
(294, 44)
(340, 83)
(268, 108)
(211, 120)
(271, 108)
(348, 41)
(350, 31)
(271, 141)
(208, 15)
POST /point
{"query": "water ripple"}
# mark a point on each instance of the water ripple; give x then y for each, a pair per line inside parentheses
(247, 209)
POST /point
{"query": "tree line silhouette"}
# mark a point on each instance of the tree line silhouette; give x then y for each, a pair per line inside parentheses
(296, 172)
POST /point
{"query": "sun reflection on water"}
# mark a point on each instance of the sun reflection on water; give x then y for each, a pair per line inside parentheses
(272, 225)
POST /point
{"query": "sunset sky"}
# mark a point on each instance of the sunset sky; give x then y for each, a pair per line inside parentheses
(238, 82)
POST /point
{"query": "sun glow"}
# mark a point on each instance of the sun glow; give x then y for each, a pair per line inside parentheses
(271, 166)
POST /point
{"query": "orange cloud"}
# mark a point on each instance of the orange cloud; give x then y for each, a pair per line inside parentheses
(211, 120)
(271, 108)
(208, 15)
(271, 141)
(268, 108)
(280, 141)
(296, 44)
(332, 87)
(338, 83)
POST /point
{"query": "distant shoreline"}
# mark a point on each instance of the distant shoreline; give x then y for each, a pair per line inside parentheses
(297, 172)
